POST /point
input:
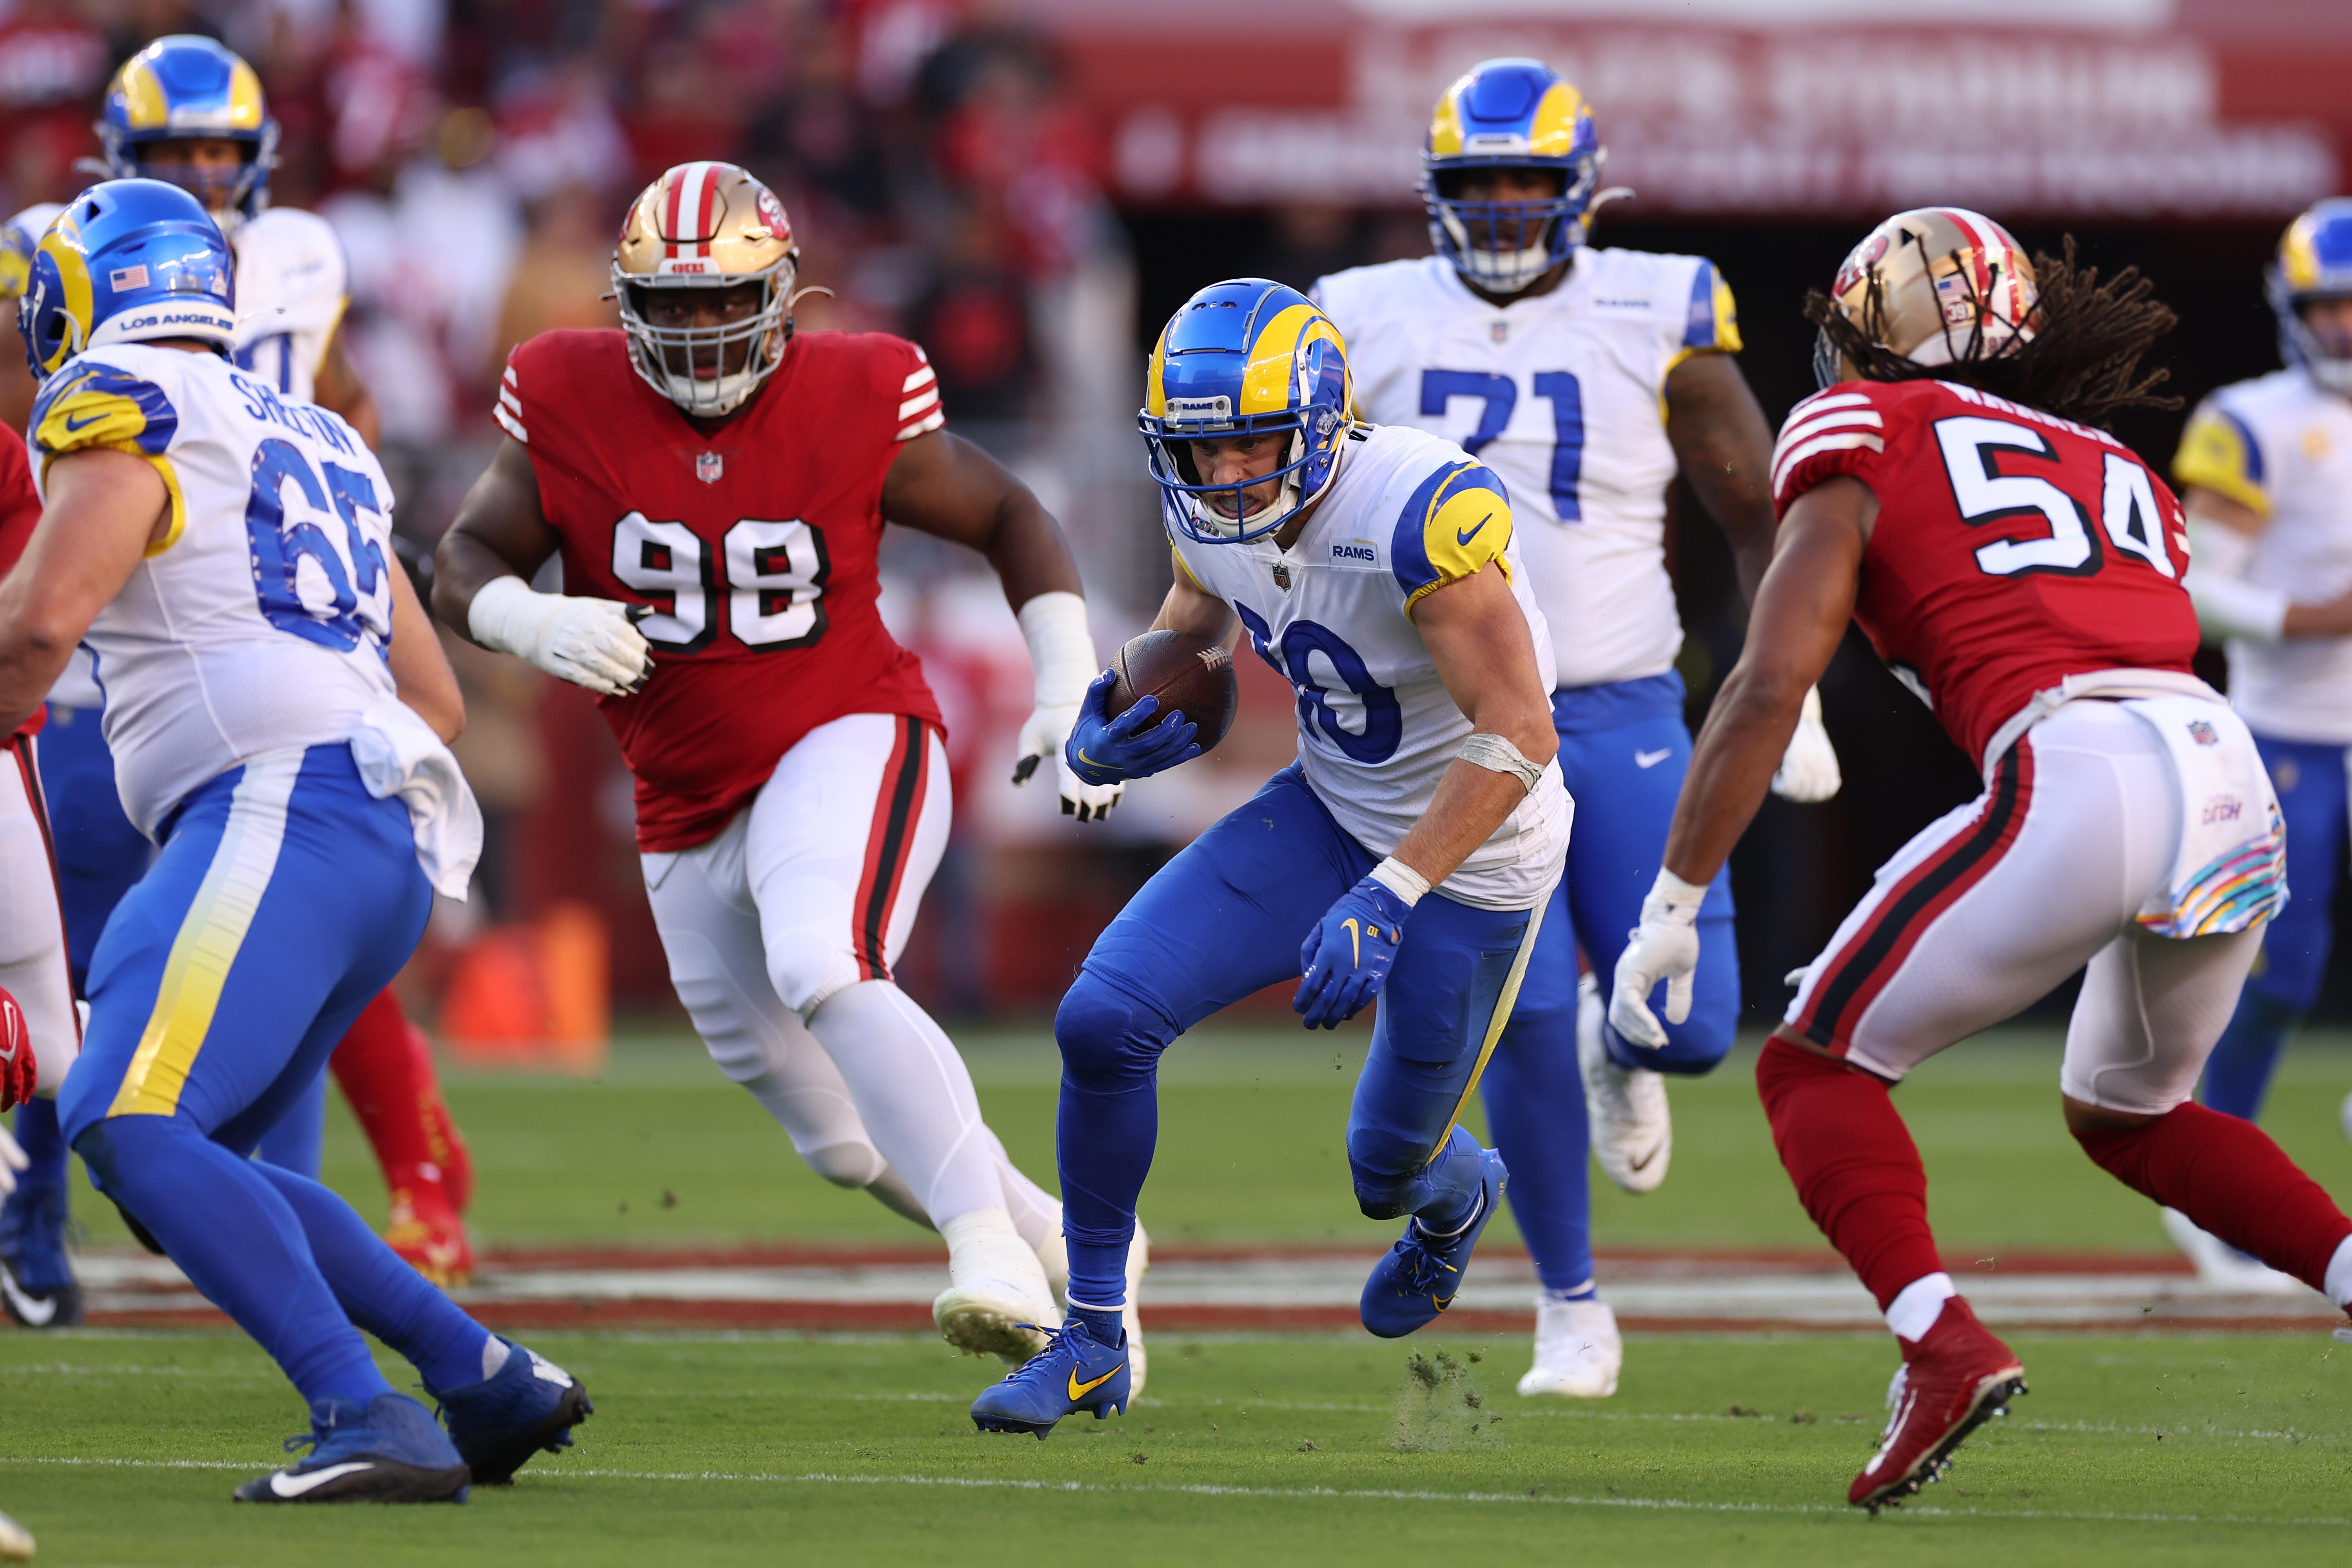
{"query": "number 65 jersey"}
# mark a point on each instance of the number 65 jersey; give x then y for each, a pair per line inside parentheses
(753, 540)
(262, 620)
(2012, 548)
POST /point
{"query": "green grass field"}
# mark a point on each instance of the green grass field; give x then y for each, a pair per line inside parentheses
(120, 1448)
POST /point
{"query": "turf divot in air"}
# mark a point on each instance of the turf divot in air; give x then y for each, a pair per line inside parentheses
(1441, 1408)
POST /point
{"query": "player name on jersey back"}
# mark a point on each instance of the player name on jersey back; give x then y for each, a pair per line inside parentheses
(753, 541)
(1408, 513)
(263, 619)
(2011, 549)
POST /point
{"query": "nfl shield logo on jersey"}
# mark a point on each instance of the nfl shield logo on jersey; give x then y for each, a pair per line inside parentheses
(1281, 575)
(709, 465)
(1499, 331)
(2203, 733)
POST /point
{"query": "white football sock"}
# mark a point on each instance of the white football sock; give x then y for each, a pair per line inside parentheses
(1036, 1213)
(914, 1095)
(1916, 1309)
(2338, 1276)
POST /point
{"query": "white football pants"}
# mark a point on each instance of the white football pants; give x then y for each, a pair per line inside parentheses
(780, 933)
(32, 927)
(1994, 904)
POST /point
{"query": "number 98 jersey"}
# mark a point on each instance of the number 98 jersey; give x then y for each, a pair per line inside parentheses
(753, 540)
(2012, 548)
(263, 618)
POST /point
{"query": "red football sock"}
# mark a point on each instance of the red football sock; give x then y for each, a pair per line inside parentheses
(2229, 1178)
(1857, 1172)
(385, 1070)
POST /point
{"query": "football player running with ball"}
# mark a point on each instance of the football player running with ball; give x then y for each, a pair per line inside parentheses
(277, 709)
(2266, 470)
(1587, 380)
(1409, 853)
(1949, 492)
(715, 488)
(188, 112)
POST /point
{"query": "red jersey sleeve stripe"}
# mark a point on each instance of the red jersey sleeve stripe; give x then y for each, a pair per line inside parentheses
(917, 403)
(512, 425)
(1846, 441)
(931, 421)
(924, 376)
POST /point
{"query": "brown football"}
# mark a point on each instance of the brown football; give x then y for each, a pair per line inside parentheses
(1184, 671)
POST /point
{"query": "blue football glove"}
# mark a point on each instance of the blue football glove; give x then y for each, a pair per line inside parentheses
(1102, 750)
(1349, 954)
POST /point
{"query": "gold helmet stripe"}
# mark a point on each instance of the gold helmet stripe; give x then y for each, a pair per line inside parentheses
(1265, 381)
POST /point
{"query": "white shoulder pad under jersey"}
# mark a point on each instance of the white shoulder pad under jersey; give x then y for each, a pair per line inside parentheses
(1333, 615)
(2282, 446)
(262, 619)
(1562, 396)
(292, 284)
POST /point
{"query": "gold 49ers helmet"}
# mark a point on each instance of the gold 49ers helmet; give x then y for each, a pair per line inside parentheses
(700, 229)
(1936, 285)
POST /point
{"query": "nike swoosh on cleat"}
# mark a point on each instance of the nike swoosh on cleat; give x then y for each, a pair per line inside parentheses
(1643, 1164)
(1651, 759)
(1466, 537)
(1080, 1390)
(32, 1310)
(286, 1484)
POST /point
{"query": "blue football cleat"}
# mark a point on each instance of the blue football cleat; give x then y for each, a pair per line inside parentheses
(1074, 1371)
(37, 1280)
(1416, 1278)
(387, 1451)
(530, 1404)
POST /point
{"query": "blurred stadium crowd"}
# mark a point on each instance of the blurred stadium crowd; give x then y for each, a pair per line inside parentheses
(1026, 187)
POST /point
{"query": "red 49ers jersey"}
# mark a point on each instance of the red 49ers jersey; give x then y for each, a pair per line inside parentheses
(753, 540)
(2012, 548)
(20, 513)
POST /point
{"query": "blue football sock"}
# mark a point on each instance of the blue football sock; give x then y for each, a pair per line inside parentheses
(2237, 1073)
(1452, 1179)
(1106, 1128)
(224, 1223)
(1535, 1110)
(1105, 1323)
(383, 1294)
(298, 1141)
(44, 1144)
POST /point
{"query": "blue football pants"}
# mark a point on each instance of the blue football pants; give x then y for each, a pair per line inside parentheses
(1221, 920)
(2309, 780)
(1622, 754)
(284, 898)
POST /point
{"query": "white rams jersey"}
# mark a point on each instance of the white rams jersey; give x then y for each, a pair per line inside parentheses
(263, 619)
(1563, 397)
(291, 286)
(1333, 615)
(2282, 445)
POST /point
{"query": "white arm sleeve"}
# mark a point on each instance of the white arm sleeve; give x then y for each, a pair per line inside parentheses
(2227, 605)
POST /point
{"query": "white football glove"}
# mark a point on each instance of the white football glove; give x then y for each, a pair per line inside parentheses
(12, 1160)
(588, 642)
(1062, 652)
(1665, 946)
(1809, 768)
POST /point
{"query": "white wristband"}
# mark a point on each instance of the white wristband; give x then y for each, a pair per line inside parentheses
(2227, 605)
(1061, 648)
(1676, 894)
(506, 614)
(1401, 879)
(1497, 754)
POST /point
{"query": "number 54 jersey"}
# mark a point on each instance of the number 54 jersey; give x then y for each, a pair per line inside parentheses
(1408, 514)
(262, 620)
(752, 540)
(2012, 548)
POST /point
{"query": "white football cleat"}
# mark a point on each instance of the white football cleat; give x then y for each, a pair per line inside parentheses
(2224, 1266)
(1632, 1136)
(15, 1540)
(1139, 1261)
(1578, 1352)
(2344, 1116)
(997, 1302)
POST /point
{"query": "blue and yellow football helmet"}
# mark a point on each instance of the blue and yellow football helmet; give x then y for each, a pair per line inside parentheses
(1246, 357)
(2314, 262)
(183, 86)
(128, 261)
(19, 237)
(1509, 114)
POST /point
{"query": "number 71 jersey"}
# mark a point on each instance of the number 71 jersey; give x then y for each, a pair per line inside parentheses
(2012, 548)
(262, 619)
(753, 541)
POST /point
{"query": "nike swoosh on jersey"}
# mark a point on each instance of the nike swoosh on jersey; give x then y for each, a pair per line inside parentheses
(35, 1312)
(287, 1484)
(1651, 759)
(1080, 1390)
(1466, 537)
(73, 424)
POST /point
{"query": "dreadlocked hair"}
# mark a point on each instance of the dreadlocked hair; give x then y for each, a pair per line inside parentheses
(2081, 362)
